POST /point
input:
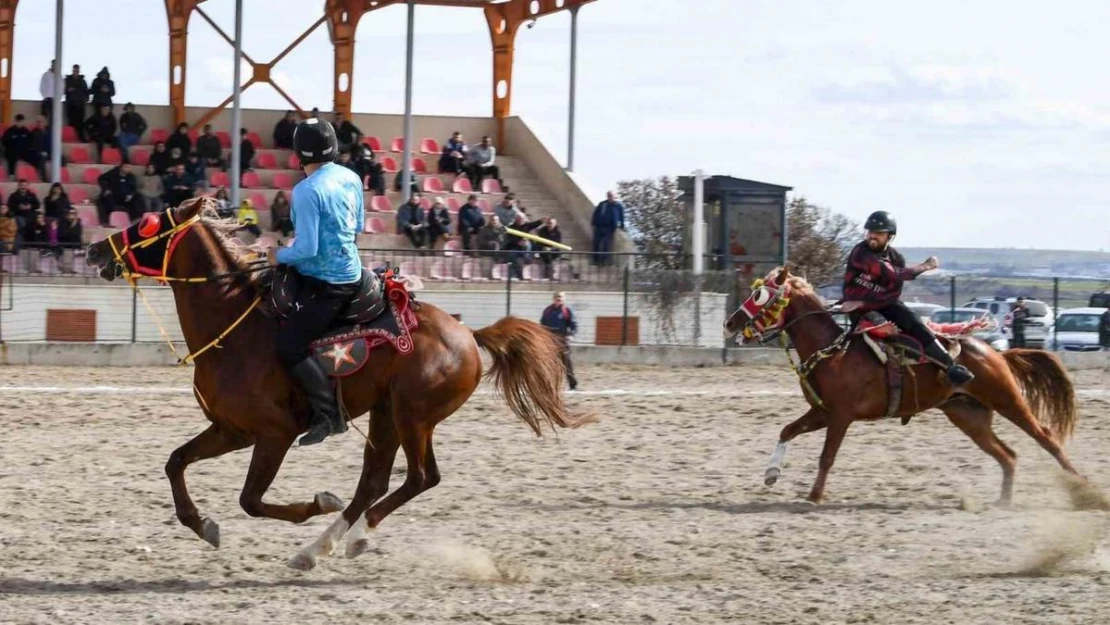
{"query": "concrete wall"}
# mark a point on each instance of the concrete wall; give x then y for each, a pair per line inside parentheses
(23, 314)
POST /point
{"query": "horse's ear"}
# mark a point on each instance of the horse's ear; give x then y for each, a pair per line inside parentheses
(191, 207)
(783, 276)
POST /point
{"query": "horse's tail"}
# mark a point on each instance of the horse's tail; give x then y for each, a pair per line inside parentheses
(528, 371)
(1047, 389)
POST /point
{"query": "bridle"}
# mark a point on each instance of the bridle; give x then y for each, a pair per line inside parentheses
(138, 271)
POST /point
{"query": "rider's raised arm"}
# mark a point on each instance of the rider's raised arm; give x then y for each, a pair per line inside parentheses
(306, 221)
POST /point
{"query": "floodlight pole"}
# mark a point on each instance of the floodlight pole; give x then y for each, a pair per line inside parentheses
(406, 157)
(236, 113)
(573, 84)
(56, 122)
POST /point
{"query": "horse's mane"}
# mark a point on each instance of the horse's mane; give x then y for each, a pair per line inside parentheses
(239, 255)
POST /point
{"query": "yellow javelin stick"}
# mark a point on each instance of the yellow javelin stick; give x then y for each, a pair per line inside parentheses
(529, 235)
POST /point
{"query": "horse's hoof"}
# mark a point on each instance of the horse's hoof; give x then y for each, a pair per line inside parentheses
(328, 503)
(1003, 503)
(302, 562)
(356, 548)
(771, 476)
(210, 532)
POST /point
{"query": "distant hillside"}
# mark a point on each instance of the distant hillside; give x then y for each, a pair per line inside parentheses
(1015, 262)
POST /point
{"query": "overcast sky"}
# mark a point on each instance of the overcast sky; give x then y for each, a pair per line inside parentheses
(980, 123)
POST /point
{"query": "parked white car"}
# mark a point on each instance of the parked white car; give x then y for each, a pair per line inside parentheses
(1077, 330)
(1037, 326)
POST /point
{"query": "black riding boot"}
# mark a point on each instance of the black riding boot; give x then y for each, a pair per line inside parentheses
(958, 375)
(326, 419)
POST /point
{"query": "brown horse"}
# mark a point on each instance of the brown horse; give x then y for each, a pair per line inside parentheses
(249, 399)
(844, 381)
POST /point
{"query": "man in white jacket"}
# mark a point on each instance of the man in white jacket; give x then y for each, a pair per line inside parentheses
(46, 89)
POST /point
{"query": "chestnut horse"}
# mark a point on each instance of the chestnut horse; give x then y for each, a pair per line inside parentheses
(250, 400)
(843, 381)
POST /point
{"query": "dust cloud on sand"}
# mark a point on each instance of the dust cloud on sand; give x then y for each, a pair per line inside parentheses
(657, 513)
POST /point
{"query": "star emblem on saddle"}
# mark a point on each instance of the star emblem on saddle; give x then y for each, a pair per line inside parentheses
(340, 353)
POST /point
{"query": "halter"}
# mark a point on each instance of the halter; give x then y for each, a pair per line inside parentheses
(176, 231)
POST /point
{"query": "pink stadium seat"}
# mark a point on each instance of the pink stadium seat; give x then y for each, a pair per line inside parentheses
(491, 185)
(69, 134)
(441, 271)
(389, 165)
(294, 162)
(219, 179)
(500, 271)
(86, 213)
(374, 143)
(119, 220)
(65, 176)
(79, 155)
(375, 225)
(259, 201)
(380, 203)
(91, 175)
(425, 203)
(397, 145)
(533, 273)
(283, 181)
(225, 138)
(11, 263)
(429, 146)
(255, 139)
(251, 180)
(111, 156)
(408, 268)
(483, 205)
(419, 166)
(462, 185)
(267, 160)
(77, 195)
(140, 157)
(194, 134)
(432, 184)
(452, 248)
(24, 171)
(453, 205)
(159, 135)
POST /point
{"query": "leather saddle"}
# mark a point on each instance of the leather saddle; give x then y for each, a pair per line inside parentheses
(367, 304)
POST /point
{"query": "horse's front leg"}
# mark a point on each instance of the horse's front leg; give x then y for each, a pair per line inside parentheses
(212, 442)
(813, 419)
(265, 462)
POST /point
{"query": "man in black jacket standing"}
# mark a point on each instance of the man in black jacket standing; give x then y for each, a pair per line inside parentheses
(559, 319)
(1019, 316)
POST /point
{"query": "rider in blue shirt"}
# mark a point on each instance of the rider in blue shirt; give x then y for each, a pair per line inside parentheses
(327, 214)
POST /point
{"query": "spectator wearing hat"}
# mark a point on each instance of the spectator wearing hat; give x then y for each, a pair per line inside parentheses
(558, 318)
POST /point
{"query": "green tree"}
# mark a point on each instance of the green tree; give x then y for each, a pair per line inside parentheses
(818, 241)
(656, 219)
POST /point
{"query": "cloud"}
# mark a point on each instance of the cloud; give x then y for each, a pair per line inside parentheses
(919, 84)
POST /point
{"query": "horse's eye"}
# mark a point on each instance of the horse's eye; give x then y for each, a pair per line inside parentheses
(761, 297)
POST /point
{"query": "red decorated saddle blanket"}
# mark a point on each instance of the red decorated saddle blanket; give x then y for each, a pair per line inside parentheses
(344, 351)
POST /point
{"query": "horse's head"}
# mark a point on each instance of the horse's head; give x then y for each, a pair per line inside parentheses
(145, 247)
(764, 311)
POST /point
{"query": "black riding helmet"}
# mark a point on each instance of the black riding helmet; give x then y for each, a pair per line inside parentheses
(314, 141)
(881, 221)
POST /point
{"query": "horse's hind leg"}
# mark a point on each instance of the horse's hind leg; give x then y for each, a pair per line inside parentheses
(811, 421)
(1014, 407)
(268, 456)
(974, 420)
(212, 442)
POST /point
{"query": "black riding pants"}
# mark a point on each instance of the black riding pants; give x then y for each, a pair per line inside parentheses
(318, 303)
(910, 323)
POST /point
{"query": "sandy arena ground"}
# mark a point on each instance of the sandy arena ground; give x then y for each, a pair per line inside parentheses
(656, 514)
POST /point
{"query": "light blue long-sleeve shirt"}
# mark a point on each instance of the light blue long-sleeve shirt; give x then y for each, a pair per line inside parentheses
(327, 213)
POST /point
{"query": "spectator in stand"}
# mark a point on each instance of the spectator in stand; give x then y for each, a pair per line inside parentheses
(103, 89)
(17, 142)
(506, 211)
(223, 203)
(519, 249)
(119, 191)
(453, 158)
(151, 189)
(77, 96)
(178, 184)
(347, 133)
(283, 131)
(209, 148)
(24, 204)
(415, 186)
(177, 157)
(34, 233)
(439, 222)
(57, 203)
(410, 221)
(281, 215)
(470, 222)
(248, 217)
(491, 238)
(344, 159)
(132, 127)
(194, 169)
(101, 130)
(370, 170)
(246, 151)
(46, 89)
(315, 114)
(9, 231)
(558, 318)
(160, 159)
(480, 163)
(548, 255)
(39, 154)
(70, 231)
(180, 140)
(608, 217)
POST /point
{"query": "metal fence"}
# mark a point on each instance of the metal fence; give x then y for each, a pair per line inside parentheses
(619, 299)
